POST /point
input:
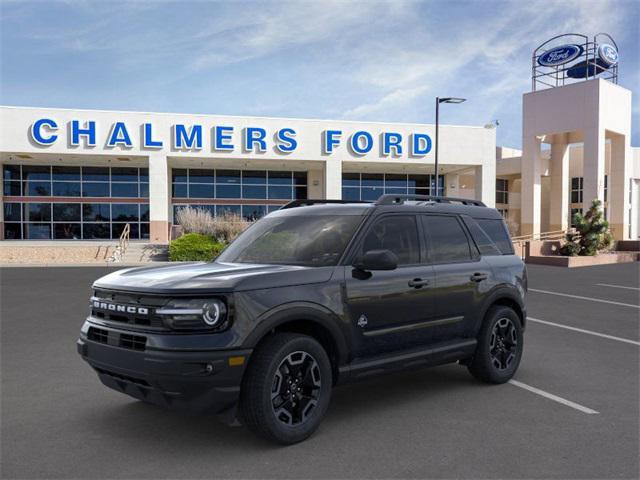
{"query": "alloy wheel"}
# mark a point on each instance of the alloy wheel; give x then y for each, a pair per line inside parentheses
(296, 388)
(504, 343)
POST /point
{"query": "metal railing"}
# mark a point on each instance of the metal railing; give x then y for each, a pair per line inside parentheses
(553, 235)
(520, 243)
(123, 243)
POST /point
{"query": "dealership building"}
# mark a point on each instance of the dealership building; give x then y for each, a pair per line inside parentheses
(86, 174)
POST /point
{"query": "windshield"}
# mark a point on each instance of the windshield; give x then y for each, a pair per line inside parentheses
(312, 241)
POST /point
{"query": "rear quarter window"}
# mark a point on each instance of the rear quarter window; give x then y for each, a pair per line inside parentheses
(496, 230)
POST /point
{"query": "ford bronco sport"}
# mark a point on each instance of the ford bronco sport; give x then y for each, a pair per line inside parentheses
(317, 293)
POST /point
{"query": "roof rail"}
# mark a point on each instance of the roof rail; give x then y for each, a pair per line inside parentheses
(309, 202)
(396, 199)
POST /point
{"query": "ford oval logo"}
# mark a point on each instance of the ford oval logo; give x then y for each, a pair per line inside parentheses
(560, 55)
(608, 54)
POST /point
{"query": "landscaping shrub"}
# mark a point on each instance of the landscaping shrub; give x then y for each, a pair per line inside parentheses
(194, 247)
(591, 235)
(223, 228)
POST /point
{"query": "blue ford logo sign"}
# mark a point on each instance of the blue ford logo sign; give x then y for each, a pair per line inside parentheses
(560, 55)
(608, 54)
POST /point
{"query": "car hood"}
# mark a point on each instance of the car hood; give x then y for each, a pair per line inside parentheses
(202, 277)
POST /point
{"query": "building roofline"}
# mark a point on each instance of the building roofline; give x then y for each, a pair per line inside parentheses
(18, 107)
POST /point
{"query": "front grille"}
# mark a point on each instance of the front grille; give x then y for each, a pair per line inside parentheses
(98, 335)
(133, 342)
(122, 340)
(135, 311)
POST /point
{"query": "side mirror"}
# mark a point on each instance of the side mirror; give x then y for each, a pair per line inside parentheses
(377, 260)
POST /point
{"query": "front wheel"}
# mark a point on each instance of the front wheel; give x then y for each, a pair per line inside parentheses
(287, 388)
(500, 345)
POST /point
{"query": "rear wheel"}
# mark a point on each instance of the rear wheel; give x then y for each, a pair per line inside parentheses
(499, 349)
(287, 388)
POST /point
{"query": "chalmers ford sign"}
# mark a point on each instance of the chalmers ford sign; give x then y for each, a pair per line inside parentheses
(222, 138)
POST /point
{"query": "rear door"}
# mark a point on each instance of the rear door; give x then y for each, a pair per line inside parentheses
(388, 308)
(461, 276)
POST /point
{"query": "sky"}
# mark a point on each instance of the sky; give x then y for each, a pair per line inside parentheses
(344, 60)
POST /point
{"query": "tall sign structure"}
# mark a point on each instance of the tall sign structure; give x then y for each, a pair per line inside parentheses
(575, 99)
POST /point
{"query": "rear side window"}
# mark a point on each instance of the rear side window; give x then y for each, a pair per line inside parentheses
(497, 232)
(397, 233)
(482, 240)
(447, 240)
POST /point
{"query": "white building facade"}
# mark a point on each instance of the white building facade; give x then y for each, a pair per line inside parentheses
(85, 174)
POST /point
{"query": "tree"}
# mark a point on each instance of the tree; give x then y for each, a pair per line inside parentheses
(591, 235)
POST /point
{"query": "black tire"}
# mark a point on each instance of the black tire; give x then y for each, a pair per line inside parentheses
(276, 416)
(500, 344)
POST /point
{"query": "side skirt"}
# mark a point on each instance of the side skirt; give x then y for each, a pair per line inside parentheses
(437, 354)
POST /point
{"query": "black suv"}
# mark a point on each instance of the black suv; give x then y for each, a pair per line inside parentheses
(317, 293)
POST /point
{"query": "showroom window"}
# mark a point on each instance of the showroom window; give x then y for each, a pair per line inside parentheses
(74, 221)
(369, 186)
(63, 181)
(64, 213)
(204, 187)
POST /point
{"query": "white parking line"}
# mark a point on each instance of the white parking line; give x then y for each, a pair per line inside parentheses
(589, 332)
(553, 397)
(616, 286)
(585, 298)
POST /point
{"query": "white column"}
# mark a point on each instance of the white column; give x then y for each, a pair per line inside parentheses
(452, 185)
(593, 167)
(315, 180)
(618, 188)
(531, 186)
(485, 183)
(559, 205)
(332, 179)
(159, 198)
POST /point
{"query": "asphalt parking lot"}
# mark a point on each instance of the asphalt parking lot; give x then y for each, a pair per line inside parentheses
(573, 411)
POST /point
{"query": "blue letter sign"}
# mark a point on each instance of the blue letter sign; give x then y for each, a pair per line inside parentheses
(286, 140)
(182, 139)
(421, 144)
(89, 131)
(36, 131)
(357, 147)
(147, 138)
(330, 140)
(255, 136)
(222, 136)
(119, 136)
(391, 140)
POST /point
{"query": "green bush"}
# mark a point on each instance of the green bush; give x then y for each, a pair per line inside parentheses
(591, 235)
(194, 247)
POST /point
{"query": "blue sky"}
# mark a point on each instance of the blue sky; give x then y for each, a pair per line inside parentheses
(366, 60)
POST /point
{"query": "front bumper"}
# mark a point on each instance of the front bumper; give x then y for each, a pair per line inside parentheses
(201, 380)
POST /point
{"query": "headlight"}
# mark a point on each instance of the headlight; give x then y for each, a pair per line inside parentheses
(209, 314)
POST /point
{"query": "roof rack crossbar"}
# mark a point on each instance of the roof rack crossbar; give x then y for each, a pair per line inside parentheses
(391, 199)
(309, 202)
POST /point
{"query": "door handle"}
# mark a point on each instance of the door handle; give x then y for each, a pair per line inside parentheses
(478, 277)
(418, 283)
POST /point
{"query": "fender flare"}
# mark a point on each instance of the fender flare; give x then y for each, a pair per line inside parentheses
(498, 294)
(296, 311)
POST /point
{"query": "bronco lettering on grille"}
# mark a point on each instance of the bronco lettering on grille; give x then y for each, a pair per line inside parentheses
(113, 307)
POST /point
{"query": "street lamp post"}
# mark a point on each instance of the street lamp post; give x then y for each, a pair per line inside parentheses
(438, 102)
